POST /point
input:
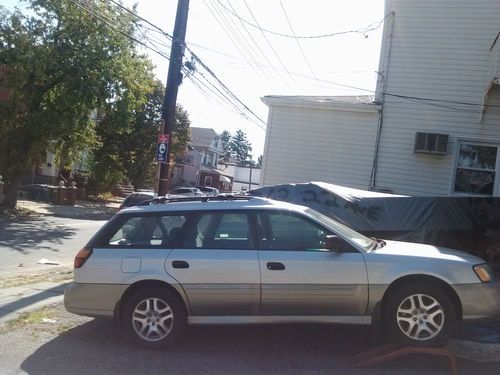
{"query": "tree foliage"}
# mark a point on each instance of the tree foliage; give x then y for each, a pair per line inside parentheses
(240, 147)
(63, 64)
(127, 147)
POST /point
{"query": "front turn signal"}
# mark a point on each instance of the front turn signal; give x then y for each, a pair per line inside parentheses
(483, 271)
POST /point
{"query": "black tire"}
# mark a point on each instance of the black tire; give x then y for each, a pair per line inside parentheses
(420, 314)
(154, 318)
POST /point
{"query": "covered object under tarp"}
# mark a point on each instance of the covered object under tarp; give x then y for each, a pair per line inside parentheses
(466, 223)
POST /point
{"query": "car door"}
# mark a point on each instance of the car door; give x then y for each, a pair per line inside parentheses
(217, 265)
(299, 276)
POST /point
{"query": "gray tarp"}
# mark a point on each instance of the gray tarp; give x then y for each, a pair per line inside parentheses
(467, 223)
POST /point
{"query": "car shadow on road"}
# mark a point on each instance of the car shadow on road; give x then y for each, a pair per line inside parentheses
(96, 347)
(26, 235)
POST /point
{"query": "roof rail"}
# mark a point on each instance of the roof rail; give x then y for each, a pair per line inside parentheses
(162, 200)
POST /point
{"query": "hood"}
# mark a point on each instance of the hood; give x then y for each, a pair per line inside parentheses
(426, 251)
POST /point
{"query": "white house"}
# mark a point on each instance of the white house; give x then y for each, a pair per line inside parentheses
(244, 178)
(326, 139)
(434, 125)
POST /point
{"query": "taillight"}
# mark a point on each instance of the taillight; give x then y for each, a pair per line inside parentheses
(82, 257)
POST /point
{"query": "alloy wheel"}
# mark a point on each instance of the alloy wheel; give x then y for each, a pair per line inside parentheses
(152, 319)
(420, 317)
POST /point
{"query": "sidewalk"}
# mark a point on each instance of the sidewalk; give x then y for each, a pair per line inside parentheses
(27, 291)
(15, 301)
(81, 209)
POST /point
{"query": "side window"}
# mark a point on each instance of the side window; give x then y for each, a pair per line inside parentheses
(285, 231)
(220, 231)
(148, 231)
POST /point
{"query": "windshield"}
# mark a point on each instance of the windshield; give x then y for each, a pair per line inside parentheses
(366, 243)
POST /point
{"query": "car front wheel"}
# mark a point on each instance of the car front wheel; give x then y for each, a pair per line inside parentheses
(154, 318)
(420, 315)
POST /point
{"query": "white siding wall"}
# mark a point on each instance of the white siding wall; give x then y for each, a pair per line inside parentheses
(440, 50)
(314, 144)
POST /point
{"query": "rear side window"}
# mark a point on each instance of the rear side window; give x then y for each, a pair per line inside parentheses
(148, 231)
(220, 231)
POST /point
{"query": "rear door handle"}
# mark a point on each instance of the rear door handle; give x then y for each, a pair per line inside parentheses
(180, 264)
(275, 266)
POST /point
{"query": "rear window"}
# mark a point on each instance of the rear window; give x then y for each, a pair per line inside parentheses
(147, 231)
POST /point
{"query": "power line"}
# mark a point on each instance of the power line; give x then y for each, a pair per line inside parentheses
(269, 44)
(297, 40)
(233, 35)
(225, 87)
(168, 58)
(128, 36)
(258, 47)
(362, 31)
(408, 97)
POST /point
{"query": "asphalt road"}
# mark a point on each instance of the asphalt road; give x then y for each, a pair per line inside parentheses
(24, 242)
(69, 344)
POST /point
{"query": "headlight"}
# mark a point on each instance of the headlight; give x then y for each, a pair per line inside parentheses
(484, 272)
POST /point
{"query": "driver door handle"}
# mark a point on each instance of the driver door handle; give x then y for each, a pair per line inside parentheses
(275, 266)
(180, 264)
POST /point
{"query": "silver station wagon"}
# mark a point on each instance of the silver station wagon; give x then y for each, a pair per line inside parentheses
(163, 265)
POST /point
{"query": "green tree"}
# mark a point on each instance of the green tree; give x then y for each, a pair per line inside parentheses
(240, 147)
(127, 141)
(63, 64)
(259, 162)
(225, 138)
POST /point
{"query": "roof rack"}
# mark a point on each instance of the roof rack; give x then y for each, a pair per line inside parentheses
(162, 200)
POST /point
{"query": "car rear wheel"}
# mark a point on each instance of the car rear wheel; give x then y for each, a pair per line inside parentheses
(154, 318)
(420, 315)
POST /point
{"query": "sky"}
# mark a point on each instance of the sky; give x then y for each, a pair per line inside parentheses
(229, 37)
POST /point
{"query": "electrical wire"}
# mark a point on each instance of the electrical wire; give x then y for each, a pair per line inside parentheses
(234, 37)
(362, 31)
(423, 100)
(232, 95)
(130, 37)
(297, 41)
(270, 45)
(259, 48)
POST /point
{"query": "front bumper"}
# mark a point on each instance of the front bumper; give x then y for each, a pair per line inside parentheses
(96, 300)
(479, 301)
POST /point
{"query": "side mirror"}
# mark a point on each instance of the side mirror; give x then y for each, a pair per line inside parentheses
(334, 243)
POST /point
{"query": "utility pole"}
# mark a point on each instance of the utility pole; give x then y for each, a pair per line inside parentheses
(174, 79)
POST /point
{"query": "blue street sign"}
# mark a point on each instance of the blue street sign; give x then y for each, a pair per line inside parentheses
(161, 152)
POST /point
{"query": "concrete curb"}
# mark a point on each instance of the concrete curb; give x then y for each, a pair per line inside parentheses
(21, 299)
(81, 210)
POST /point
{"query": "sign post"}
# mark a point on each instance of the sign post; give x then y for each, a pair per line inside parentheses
(162, 148)
(161, 158)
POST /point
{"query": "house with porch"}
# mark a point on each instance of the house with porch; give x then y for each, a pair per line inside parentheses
(199, 166)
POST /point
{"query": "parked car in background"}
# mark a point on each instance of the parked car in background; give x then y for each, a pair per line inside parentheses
(133, 199)
(188, 192)
(209, 191)
(248, 260)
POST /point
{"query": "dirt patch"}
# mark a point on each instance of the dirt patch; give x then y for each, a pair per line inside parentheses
(26, 279)
(18, 213)
(51, 319)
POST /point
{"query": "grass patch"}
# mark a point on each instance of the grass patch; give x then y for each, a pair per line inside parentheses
(19, 280)
(32, 317)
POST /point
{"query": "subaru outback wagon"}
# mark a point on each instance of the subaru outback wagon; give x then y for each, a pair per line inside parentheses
(163, 265)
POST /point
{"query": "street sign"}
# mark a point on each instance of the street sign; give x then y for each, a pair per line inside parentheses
(162, 148)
